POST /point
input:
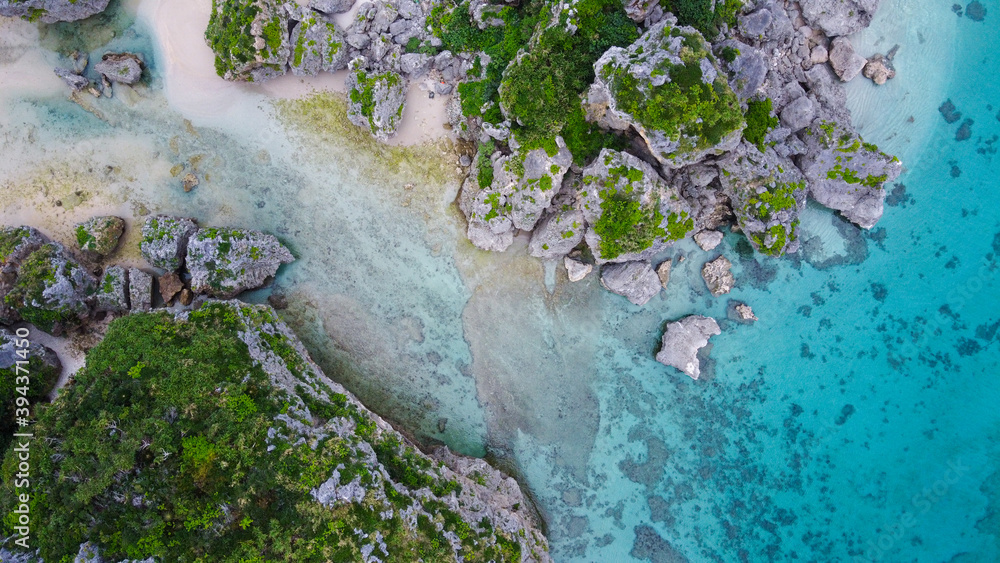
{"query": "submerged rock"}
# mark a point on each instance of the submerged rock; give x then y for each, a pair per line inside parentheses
(683, 339)
(164, 240)
(636, 281)
(717, 276)
(668, 88)
(125, 68)
(226, 262)
(72, 79)
(51, 11)
(630, 211)
(100, 235)
(376, 101)
(112, 291)
(879, 69)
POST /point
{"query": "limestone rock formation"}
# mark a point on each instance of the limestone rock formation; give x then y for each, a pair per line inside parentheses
(112, 291)
(682, 341)
(140, 290)
(844, 60)
(120, 67)
(879, 69)
(226, 262)
(250, 39)
(740, 312)
(51, 11)
(839, 17)
(164, 241)
(708, 240)
(317, 45)
(100, 235)
(376, 100)
(41, 282)
(653, 85)
(636, 281)
(576, 270)
(557, 234)
(717, 276)
(43, 367)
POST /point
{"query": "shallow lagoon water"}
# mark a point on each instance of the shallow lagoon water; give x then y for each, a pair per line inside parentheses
(856, 420)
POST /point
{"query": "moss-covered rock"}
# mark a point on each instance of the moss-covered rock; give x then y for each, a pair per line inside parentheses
(212, 435)
(767, 194)
(376, 100)
(668, 86)
(51, 11)
(52, 290)
(226, 262)
(317, 45)
(112, 291)
(631, 212)
(249, 38)
(164, 240)
(100, 234)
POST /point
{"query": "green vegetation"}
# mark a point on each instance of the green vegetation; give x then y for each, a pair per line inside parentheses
(700, 14)
(683, 105)
(729, 54)
(229, 35)
(626, 226)
(10, 239)
(759, 122)
(781, 239)
(851, 177)
(484, 164)
(37, 273)
(40, 377)
(363, 94)
(161, 448)
(778, 196)
(99, 234)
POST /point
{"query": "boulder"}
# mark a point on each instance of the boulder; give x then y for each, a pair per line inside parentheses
(376, 101)
(257, 56)
(52, 11)
(819, 55)
(740, 312)
(717, 276)
(100, 235)
(636, 281)
(112, 291)
(331, 6)
(170, 285)
(668, 88)
(226, 262)
(663, 273)
(16, 244)
(879, 69)
(845, 62)
(557, 234)
(755, 24)
(164, 240)
(140, 290)
(51, 290)
(125, 68)
(414, 65)
(72, 79)
(189, 182)
(682, 341)
(317, 45)
(798, 114)
(845, 173)
(576, 270)
(747, 72)
(631, 213)
(767, 193)
(187, 296)
(708, 240)
(839, 17)
(533, 183)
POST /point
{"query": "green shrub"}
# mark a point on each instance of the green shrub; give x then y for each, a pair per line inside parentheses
(759, 122)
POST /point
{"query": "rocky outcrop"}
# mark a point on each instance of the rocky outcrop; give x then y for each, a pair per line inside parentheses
(717, 276)
(331, 6)
(682, 341)
(51, 291)
(767, 194)
(663, 272)
(376, 100)
(42, 368)
(557, 234)
(740, 312)
(125, 68)
(631, 213)
(100, 235)
(839, 17)
(635, 281)
(51, 11)
(668, 88)
(845, 173)
(140, 290)
(226, 262)
(250, 39)
(844, 60)
(317, 45)
(164, 241)
(16, 244)
(112, 291)
(72, 79)
(708, 240)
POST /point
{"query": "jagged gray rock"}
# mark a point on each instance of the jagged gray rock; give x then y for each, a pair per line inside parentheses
(125, 68)
(267, 58)
(140, 290)
(317, 45)
(717, 276)
(50, 289)
(164, 240)
(740, 312)
(643, 71)
(576, 270)
(839, 17)
(636, 281)
(682, 341)
(798, 114)
(51, 11)
(112, 291)
(100, 235)
(557, 234)
(663, 272)
(226, 262)
(844, 60)
(43, 368)
(72, 79)
(376, 100)
(331, 6)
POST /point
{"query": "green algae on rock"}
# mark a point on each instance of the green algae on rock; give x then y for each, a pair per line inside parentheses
(100, 234)
(211, 434)
(250, 39)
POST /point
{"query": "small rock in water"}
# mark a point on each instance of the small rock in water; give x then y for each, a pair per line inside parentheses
(442, 424)
(72, 79)
(708, 240)
(635, 281)
(278, 301)
(465, 160)
(949, 111)
(718, 277)
(975, 11)
(120, 67)
(100, 234)
(190, 182)
(576, 270)
(663, 272)
(879, 69)
(741, 312)
(683, 339)
(964, 132)
(170, 286)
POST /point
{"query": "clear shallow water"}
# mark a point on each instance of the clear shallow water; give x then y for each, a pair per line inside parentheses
(856, 419)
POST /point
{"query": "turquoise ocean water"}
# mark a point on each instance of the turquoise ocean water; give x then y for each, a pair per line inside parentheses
(858, 420)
